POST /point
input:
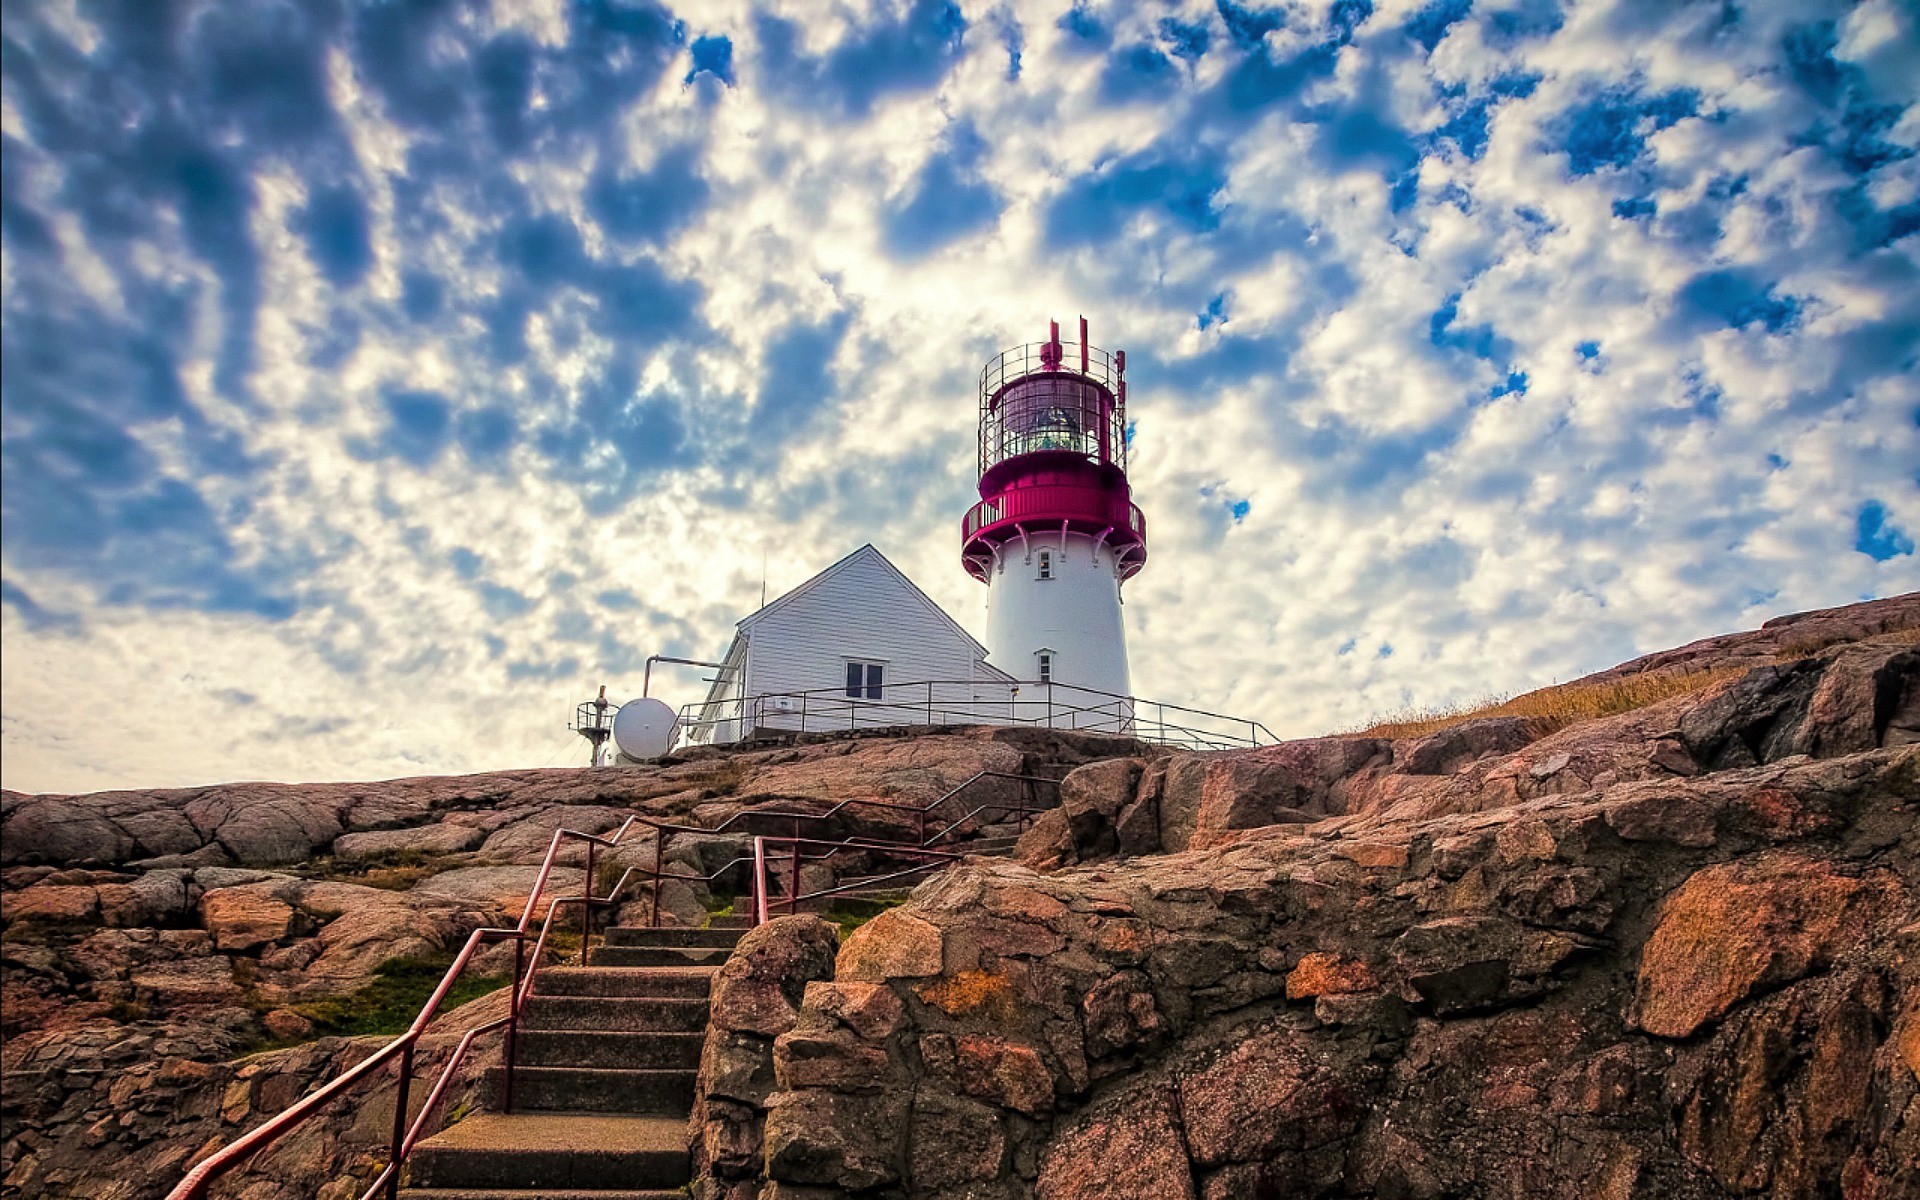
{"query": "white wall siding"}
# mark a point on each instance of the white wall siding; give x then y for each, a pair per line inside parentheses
(862, 611)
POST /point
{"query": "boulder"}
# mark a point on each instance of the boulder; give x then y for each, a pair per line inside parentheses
(50, 902)
(1130, 1146)
(1736, 928)
(503, 890)
(444, 838)
(894, 945)
(1446, 751)
(754, 1001)
(245, 918)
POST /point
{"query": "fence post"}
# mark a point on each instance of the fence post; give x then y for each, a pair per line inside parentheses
(400, 1121)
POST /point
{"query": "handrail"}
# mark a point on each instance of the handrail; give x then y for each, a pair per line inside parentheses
(201, 1177)
(795, 897)
(406, 1135)
(1049, 704)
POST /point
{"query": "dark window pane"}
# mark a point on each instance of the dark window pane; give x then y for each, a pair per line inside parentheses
(853, 679)
(873, 681)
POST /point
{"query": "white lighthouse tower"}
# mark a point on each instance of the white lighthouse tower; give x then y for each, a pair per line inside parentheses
(1056, 531)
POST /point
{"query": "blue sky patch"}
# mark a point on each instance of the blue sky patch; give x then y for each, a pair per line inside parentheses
(1878, 538)
(1612, 128)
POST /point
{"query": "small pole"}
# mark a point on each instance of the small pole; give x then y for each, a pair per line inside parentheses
(586, 906)
(1083, 345)
(653, 917)
(513, 1015)
(793, 892)
(400, 1121)
(759, 880)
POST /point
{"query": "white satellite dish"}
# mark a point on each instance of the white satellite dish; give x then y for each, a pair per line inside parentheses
(645, 728)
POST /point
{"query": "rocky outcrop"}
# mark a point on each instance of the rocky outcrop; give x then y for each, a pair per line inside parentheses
(506, 815)
(1692, 988)
(1670, 952)
(756, 998)
(102, 1111)
(191, 925)
(1842, 700)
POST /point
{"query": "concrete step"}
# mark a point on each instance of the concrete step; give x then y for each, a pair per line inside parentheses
(741, 923)
(662, 1092)
(554, 1152)
(625, 1051)
(617, 1014)
(662, 982)
(640, 935)
(683, 957)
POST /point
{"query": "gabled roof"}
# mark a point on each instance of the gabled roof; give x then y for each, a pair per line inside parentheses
(866, 553)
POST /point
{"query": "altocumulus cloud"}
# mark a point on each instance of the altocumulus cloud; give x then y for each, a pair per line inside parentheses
(381, 377)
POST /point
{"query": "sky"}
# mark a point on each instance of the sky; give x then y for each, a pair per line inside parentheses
(379, 379)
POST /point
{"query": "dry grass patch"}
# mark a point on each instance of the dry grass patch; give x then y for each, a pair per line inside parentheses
(1560, 706)
(1570, 703)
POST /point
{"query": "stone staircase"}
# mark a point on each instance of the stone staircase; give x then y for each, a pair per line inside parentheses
(604, 1081)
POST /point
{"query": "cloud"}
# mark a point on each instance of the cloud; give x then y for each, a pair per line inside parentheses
(354, 351)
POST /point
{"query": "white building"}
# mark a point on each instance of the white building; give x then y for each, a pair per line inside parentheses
(857, 646)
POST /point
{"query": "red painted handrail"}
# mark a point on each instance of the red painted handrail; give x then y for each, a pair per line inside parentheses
(406, 1136)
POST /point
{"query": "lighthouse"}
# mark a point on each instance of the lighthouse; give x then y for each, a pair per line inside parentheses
(1056, 531)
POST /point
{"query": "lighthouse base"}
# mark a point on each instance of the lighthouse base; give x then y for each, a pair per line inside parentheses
(1053, 612)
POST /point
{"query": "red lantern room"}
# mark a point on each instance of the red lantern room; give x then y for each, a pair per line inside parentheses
(1053, 453)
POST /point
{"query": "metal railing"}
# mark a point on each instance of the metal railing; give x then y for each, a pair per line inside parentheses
(762, 906)
(1042, 501)
(1053, 396)
(971, 702)
(1033, 358)
(406, 1135)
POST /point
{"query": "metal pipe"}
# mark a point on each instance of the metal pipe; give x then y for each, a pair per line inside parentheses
(646, 676)
(400, 1120)
(586, 908)
(513, 1019)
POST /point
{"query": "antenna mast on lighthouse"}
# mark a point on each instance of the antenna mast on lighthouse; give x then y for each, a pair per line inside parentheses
(1056, 530)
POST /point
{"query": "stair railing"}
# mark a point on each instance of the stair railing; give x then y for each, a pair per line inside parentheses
(795, 896)
(406, 1135)
(198, 1180)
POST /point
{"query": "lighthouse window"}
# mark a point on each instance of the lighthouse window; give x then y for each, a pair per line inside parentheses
(1046, 564)
(1046, 667)
(864, 679)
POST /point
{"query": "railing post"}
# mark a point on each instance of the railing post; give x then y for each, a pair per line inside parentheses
(586, 906)
(653, 914)
(400, 1121)
(513, 1017)
(793, 889)
(759, 880)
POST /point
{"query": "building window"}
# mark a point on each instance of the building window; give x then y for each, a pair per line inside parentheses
(1046, 666)
(864, 680)
(1046, 564)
